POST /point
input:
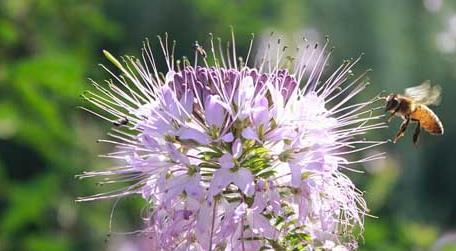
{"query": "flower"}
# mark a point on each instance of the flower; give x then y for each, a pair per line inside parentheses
(238, 157)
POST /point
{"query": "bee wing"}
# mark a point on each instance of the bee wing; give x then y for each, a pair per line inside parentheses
(435, 96)
(425, 93)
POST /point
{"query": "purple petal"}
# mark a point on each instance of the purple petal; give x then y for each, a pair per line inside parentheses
(237, 148)
(260, 114)
(148, 141)
(240, 211)
(193, 134)
(274, 201)
(281, 134)
(169, 101)
(303, 206)
(249, 133)
(259, 203)
(193, 187)
(226, 161)
(261, 226)
(244, 180)
(183, 214)
(214, 112)
(221, 179)
(295, 175)
(163, 126)
(176, 155)
(174, 187)
(229, 137)
(203, 223)
(187, 101)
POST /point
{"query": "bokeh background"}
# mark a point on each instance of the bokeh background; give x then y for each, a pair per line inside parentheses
(48, 49)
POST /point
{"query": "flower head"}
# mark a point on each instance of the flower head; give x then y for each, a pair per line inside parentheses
(235, 157)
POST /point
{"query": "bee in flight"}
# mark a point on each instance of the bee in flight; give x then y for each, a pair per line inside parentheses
(413, 106)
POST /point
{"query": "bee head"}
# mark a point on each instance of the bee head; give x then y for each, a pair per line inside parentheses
(391, 102)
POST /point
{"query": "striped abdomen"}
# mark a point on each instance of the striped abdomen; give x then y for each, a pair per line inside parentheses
(428, 120)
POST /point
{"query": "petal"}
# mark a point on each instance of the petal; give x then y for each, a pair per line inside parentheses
(222, 178)
(174, 187)
(203, 223)
(229, 137)
(169, 77)
(243, 179)
(176, 155)
(303, 206)
(193, 187)
(237, 148)
(240, 212)
(169, 101)
(193, 134)
(214, 112)
(282, 133)
(246, 91)
(274, 201)
(278, 103)
(148, 141)
(187, 101)
(340, 248)
(162, 126)
(226, 161)
(295, 175)
(249, 133)
(260, 225)
(260, 112)
(259, 203)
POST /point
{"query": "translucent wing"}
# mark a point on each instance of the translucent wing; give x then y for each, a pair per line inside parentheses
(425, 93)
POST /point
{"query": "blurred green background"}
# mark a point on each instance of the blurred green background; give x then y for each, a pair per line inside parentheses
(48, 49)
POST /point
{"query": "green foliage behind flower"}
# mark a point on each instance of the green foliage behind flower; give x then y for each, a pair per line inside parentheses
(45, 49)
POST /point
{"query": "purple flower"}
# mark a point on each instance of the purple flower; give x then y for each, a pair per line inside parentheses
(229, 173)
(214, 111)
(235, 155)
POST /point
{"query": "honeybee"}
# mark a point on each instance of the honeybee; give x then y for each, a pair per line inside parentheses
(413, 106)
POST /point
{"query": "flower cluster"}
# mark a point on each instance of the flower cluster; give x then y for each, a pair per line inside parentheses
(232, 157)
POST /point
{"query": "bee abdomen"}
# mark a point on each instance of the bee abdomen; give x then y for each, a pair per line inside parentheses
(428, 120)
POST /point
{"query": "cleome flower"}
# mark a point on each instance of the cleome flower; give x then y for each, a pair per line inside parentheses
(236, 157)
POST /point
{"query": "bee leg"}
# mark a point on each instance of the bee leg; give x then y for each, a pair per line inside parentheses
(402, 129)
(390, 117)
(392, 114)
(416, 134)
